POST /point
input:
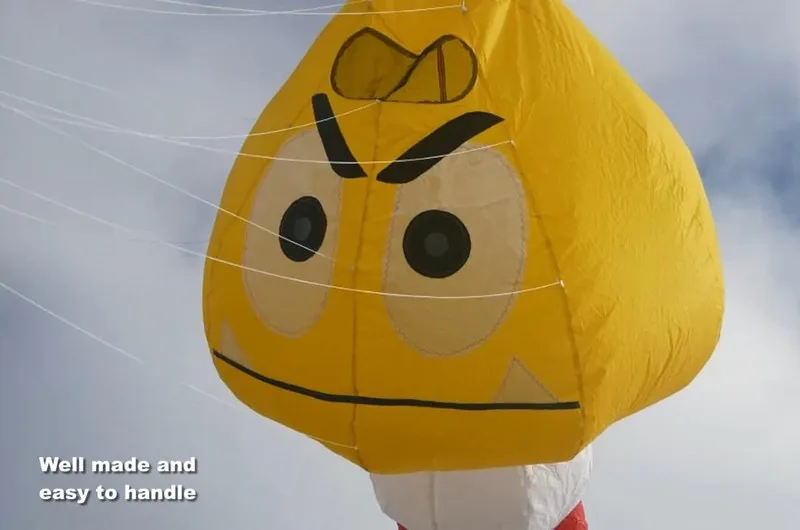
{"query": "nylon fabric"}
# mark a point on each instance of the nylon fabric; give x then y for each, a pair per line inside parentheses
(542, 162)
(576, 520)
(536, 497)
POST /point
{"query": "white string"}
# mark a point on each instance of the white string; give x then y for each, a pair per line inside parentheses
(28, 216)
(108, 127)
(225, 262)
(105, 126)
(157, 179)
(56, 225)
(70, 323)
(129, 355)
(231, 11)
(115, 128)
(253, 11)
(215, 398)
(109, 91)
(161, 181)
(273, 131)
(190, 252)
(265, 13)
(56, 74)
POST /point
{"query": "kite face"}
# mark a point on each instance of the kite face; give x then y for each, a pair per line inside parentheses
(505, 252)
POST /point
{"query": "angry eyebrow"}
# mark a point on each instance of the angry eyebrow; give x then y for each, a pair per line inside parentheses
(426, 153)
(339, 154)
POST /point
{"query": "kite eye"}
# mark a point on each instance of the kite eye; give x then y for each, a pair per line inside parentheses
(302, 229)
(436, 244)
(457, 245)
(291, 237)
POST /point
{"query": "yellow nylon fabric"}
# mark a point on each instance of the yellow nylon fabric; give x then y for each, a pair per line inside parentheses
(586, 182)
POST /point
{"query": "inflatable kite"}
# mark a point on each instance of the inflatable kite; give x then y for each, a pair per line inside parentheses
(459, 239)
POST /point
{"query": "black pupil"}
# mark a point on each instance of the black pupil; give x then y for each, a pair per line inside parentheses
(436, 244)
(302, 229)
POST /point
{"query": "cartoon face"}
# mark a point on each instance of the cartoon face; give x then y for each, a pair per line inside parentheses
(451, 278)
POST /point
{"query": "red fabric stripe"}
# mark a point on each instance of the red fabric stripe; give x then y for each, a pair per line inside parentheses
(576, 520)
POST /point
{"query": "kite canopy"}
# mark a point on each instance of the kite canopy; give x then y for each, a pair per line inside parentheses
(491, 246)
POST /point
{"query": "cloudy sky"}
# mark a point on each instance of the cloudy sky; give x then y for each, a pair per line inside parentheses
(722, 454)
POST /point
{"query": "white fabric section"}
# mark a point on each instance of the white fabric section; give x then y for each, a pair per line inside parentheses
(510, 498)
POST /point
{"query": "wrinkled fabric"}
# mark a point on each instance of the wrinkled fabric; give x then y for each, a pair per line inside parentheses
(576, 280)
(535, 497)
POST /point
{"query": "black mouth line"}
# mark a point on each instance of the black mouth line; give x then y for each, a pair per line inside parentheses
(393, 402)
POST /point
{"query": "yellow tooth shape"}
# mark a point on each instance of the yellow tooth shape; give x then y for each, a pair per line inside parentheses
(521, 386)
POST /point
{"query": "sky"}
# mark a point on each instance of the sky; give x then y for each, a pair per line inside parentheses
(721, 454)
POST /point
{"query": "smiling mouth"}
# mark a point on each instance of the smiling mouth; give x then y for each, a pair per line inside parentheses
(393, 402)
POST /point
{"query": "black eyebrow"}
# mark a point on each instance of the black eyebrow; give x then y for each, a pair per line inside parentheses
(341, 158)
(433, 148)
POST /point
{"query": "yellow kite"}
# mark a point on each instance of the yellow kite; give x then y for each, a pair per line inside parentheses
(460, 239)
